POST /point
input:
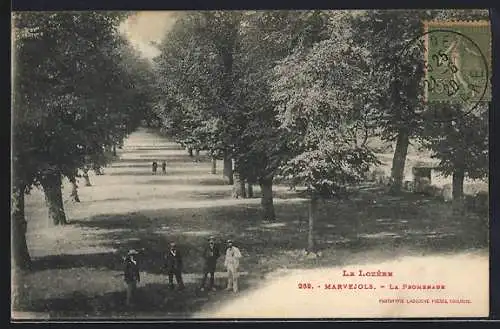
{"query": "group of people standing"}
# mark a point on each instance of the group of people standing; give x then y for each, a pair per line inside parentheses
(163, 167)
(231, 263)
(173, 266)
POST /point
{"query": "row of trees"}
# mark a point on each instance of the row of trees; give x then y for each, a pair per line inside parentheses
(79, 90)
(276, 94)
(297, 94)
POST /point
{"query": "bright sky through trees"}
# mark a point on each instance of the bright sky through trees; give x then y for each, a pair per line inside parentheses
(147, 27)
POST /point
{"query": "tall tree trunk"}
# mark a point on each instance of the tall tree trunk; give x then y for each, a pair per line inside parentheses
(249, 190)
(214, 166)
(399, 159)
(86, 177)
(190, 151)
(20, 254)
(228, 170)
(114, 150)
(53, 196)
(458, 186)
(238, 187)
(225, 50)
(266, 201)
(313, 207)
(242, 188)
(74, 189)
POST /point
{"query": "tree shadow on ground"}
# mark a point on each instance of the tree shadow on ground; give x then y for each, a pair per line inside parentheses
(211, 195)
(355, 225)
(165, 196)
(166, 156)
(151, 301)
(148, 164)
(169, 158)
(106, 260)
(135, 165)
(368, 222)
(183, 172)
(134, 173)
(139, 149)
(205, 181)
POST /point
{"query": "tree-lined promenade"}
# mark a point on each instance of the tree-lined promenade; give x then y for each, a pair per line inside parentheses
(77, 268)
(298, 95)
(79, 90)
(302, 99)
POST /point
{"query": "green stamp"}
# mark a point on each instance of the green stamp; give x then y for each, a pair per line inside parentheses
(457, 62)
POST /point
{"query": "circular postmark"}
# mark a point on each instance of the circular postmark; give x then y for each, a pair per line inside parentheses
(454, 73)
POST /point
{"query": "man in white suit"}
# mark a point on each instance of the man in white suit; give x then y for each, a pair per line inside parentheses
(232, 264)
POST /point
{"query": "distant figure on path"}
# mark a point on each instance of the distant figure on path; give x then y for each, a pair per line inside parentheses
(155, 166)
(232, 264)
(131, 275)
(210, 256)
(164, 167)
(173, 266)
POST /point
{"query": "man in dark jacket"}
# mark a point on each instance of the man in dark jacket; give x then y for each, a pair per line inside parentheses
(173, 266)
(210, 256)
(131, 274)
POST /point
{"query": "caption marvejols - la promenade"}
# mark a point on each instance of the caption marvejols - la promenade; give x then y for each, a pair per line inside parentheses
(368, 286)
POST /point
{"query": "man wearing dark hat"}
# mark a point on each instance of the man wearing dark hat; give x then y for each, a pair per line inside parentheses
(210, 256)
(173, 266)
(131, 274)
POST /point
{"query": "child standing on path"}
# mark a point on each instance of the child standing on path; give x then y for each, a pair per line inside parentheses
(232, 264)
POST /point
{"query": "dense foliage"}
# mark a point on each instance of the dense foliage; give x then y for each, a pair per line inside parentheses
(79, 90)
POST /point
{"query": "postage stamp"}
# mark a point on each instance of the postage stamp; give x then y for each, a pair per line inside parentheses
(457, 61)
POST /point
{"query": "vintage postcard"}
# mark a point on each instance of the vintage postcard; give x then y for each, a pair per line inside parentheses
(320, 164)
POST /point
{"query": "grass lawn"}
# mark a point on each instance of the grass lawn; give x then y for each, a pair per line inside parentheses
(77, 267)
